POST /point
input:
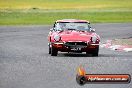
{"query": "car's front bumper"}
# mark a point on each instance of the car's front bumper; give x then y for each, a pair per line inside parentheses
(60, 46)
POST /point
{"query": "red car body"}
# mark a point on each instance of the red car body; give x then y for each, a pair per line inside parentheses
(77, 36)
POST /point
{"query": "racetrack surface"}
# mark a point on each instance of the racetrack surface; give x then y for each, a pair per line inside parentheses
(25, 62)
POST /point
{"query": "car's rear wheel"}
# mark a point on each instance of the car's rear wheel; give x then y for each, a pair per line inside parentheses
(54, 51)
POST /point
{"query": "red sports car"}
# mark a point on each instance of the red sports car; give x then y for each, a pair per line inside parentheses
(72, 35)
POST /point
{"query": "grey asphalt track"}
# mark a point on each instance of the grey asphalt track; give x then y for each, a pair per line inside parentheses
(25, 62)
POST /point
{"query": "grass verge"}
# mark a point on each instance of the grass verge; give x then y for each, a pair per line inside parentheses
(20, 12)
(34, 17)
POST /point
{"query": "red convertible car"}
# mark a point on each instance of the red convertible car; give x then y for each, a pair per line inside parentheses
(72, 35)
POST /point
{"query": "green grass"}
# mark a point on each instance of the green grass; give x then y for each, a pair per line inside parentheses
(65, 4)
(19, 12)
(50, 17)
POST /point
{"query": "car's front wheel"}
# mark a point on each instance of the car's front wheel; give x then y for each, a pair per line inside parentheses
(96, 52)
(54, 51)
(49, 49)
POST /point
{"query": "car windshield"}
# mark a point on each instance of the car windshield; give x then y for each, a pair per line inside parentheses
(81, 26)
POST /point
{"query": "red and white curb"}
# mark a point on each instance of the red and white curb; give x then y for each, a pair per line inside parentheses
(108, 44)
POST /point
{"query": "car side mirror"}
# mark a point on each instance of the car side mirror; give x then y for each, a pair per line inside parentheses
(92, 30)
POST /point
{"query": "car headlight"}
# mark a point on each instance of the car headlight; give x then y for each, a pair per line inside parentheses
(94, 39)
(57, 38)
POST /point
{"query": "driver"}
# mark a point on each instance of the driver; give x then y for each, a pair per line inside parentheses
(62, 26)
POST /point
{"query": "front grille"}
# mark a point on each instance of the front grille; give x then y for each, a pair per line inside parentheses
(76, 44)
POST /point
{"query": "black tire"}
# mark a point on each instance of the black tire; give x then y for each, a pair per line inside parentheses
(96, 52)
(54, 51)
(87, 53)
(49, 49)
